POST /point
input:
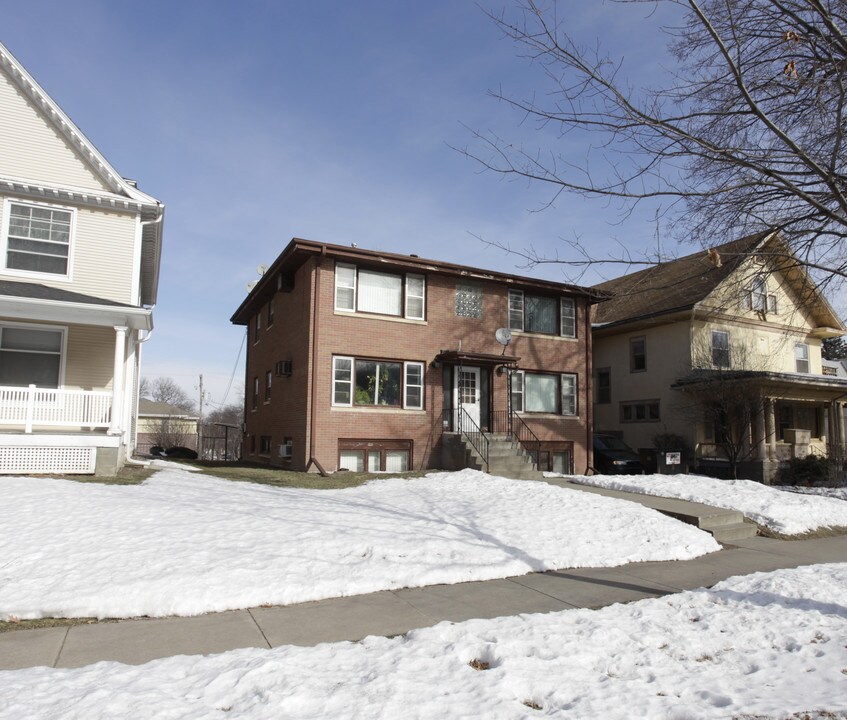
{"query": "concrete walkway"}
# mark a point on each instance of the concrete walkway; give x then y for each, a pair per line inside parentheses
(395, 612)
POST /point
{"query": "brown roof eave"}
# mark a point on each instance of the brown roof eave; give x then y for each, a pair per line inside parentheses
(300, 249)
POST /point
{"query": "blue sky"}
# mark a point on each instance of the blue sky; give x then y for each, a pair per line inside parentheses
(258, 121)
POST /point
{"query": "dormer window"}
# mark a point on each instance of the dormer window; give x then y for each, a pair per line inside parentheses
(37, 238)
(369, 291)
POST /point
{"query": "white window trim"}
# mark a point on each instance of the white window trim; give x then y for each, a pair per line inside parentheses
(422, 296)
(517, 389)
(712, 348)
(64, 344)
(515, 293)
(406, 386)
(805, 359)
(352, 360)
(4, 241)
(572, 303)
(575, 377)
(346, 287)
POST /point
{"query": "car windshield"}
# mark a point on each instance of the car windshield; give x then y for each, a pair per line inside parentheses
(611, 443)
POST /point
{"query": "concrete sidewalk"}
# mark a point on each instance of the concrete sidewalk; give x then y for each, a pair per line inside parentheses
(395, 612)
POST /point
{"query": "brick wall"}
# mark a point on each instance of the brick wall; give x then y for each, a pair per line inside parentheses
(377, 337)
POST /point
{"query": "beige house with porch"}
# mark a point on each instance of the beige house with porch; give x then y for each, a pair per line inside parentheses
(79, 264)
(741, 321)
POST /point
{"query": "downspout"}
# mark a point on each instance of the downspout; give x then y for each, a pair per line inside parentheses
(589, 396)
(315, 344)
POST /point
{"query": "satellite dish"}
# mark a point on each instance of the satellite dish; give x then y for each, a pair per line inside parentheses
(503, 336)
(261, 269)
(251, 285)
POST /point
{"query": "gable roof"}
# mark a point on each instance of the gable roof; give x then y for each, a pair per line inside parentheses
(673, 285)
(121, 193)
(298, 251)
(151, 408)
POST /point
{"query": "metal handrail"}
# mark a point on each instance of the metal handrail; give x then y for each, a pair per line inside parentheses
(512, 425)
(469, 429)
(528, 440)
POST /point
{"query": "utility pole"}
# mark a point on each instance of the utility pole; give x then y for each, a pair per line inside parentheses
(200, 421)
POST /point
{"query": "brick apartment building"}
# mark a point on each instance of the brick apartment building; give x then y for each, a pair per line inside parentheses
(372, 361)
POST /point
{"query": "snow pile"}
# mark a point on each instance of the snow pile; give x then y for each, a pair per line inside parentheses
(765, 646)
(839, 493)
(184, 543)
(783, 512)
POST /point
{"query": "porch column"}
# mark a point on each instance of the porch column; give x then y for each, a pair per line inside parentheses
(761, 432)
(118, 381)
(770, 428)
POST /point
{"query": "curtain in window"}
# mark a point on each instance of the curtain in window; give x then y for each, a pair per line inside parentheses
(380, 293)
(396, 460)
(540, 393)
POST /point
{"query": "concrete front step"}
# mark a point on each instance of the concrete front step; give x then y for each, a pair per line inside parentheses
(729, 533)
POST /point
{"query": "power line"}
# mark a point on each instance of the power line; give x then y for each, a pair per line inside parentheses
(234, 368)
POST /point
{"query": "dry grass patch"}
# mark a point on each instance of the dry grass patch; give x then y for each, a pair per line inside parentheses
(49, 623)
(248, 472)
(823, 532)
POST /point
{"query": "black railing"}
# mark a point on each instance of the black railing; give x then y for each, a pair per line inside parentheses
(528, 440)
(514, 427)
(465, 425)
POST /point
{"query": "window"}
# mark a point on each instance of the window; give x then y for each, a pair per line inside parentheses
(257, 335)
(268, 376)
(720, 348)
(415, 300)
(345, 287)
(637, 354)
(271, 311)
(375, 455)
(468, 300)
(801, 357)
(283, 368)
(285, 450)
(542, 393)
(378, 383)
(413, 391)
(758, 299)
(30, 356)
(265, 445)
(640, 411)
(255, 392)
(604, 386)
(541, 314)
(567, 312)
(37, 238)
(380, 293)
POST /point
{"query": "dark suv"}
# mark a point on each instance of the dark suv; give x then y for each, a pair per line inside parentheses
(612, 456)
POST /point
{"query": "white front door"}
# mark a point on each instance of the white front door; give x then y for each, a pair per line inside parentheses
(466, 392)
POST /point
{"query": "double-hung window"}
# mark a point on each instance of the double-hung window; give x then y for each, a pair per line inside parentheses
(37, 238)
(542, 314)
(378, 383)
(801, 357)
(380, 293)
(268, 377)
(544, 393)
(637, 354)
(30, 356)
(758, 298)
(720, 348)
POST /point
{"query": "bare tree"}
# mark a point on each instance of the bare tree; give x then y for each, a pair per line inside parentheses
(722, 394)
(165, 390)
(222, 432)
(746, 135)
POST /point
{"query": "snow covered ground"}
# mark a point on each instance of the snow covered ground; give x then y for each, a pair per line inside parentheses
(762, 646)
(839, 493)
(783, 512)
(183, 543)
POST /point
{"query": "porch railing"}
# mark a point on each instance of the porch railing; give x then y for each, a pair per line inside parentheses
(470, 430)
(514, 426)
(32, 406)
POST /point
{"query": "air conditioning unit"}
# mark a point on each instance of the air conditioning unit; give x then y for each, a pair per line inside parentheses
(285, 450)
(283, 367)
